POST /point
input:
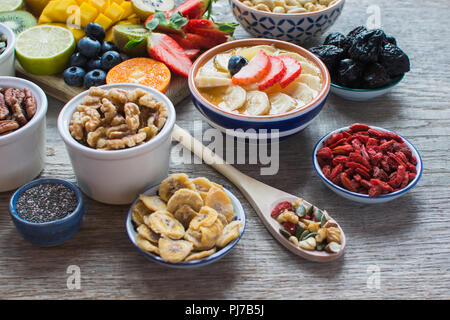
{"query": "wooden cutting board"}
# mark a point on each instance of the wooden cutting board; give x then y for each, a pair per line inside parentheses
(56, 87)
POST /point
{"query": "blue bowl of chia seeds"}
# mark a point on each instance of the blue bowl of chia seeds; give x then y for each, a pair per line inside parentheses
(47, 212)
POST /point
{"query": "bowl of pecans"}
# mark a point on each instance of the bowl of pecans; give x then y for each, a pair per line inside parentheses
(23, 106)
(118, 138)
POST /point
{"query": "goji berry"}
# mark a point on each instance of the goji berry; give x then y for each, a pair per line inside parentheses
(412, 176)
(334, 137)
(413, 159)
(359, 127)
(371, 142)
(396, 159)
(356, 157)
(340, 159)
(374, 191)
(325, 153)
(366, 184)
(412, 168)
(382, 184)
(336, 170)
(280, 208)
(387, 146)
(395, 180)
(363, 173)
(345, 149)
(337, 143)
(346, 182)
(357, 177)
(326, 170)
(351, 164)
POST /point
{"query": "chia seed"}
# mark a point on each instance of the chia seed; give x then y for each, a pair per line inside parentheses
(46, 202)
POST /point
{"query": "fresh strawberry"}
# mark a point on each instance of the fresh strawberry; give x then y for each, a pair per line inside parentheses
(192, 53)
(293, 70)
(194, 41)
(163, 48)
(276, 73)
(254, 71)
(219, 32)
(194, 9)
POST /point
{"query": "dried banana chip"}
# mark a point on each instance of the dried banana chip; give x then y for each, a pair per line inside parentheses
(184, 197)
(205, 218)
(202, 185)
(185, 214)
(222, 219)
(174, 251)
(219, 201)
(173, 183)
(166, 225)
(153, 203)
(147, 233)
(230, 232)
(146, 245)
(138, 213)
(200, 255)
(211, 234)
(195, 237)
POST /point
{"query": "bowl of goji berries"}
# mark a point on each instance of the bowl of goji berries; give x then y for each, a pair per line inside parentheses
(367, 164)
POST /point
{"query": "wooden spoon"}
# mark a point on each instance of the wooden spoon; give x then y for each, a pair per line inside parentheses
(262, 197)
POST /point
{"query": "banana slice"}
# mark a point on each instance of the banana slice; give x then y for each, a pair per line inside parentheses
(205, 218)
(294, 55)
(250, 52)
(301, 91)
(230, 232)
(311, 81)
(138, 213)
(281, 103)
(185, 214)
(153, 203)
(222, 219)
(146, 245)
(221, 61)
(146, 233)
(219, 201)
(184, 196)
(257, 103)
(195, 237)
(202, 185)
(166, 225)
(211, 234)
(173, 183)
(235, 97)
(309, 68)
(211, 82)
(174, 251)
(200, 255)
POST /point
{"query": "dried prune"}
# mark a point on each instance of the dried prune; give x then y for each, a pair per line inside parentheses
(330, 55)
(367, 46)
(376, 76)
(339, 40)
(391, 40)
(394, 60)
(355, 32)
(349, 72)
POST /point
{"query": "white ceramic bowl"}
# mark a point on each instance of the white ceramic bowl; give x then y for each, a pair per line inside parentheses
(7, 57)
(363, 198)
(22, 152)
(240, 215)
(116, 177)
(363, 94)
(292, 27)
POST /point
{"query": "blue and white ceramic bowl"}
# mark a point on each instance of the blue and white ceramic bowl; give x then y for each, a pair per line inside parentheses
(363, 94)
(257, 127)
(49, 233)
(240, 215)
(292, 27)
(363, 198)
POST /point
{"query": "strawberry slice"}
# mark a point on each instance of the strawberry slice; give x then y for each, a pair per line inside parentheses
(192, 53)
(219, 32)
(293, 70)
(194, 41)
(163, 48)
(254, 71)
(276, 73)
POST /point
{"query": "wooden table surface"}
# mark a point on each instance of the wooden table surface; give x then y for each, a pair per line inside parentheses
(404, 243)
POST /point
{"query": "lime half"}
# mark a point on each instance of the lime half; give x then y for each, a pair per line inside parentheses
(10, 5)
(45, 49)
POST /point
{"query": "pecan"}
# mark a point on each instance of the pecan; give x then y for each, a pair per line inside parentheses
(14, 99)
(8, 125)
(30, 103)
(4, 111)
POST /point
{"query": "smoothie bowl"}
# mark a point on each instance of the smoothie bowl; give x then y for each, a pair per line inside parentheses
(258, 87)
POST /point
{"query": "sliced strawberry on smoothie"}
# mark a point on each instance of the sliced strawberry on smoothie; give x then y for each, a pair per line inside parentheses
(276, 73)
(163, 48)
(254, 71)
(194, 9)
(293, 70)
(194, 41)
(219, 32)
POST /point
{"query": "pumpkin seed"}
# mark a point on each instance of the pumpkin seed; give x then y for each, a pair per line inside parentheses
(317, 214)
(300, 211)
(309, 235)
(298, 231)
(323, 220)
(285, 233)
(308, 210)
(304, 234)
(320, 246)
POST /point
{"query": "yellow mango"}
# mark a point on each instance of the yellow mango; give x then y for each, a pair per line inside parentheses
(104, 21)
(43, 19)
(80, 2)
(100, 5)
(119, 2)
(61, 10)
(109, 35)
(88, 13)
(127, 9)
(49, 8)
(114, 12)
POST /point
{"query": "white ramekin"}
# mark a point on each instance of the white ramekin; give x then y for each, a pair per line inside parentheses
(116, 177)
(22, 152)
(7, 57)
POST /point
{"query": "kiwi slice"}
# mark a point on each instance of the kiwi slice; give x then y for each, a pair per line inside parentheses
(123, 33)
(18, 21)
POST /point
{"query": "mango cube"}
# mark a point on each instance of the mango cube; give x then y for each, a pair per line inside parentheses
(127, 7)
(119, 2)
(62, 10)
(104, 21)
(114, 12)
(43, 19)
(100, 5)
(87, 13)
(109, 35)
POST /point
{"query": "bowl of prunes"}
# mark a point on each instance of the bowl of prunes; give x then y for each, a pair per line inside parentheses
(363, 64)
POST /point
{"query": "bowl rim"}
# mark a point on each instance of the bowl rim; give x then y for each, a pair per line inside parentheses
(260, 41)
(40, 113)
(289, 15)
(69, 108)
(13, 202)
(11, 41)
(392, 84)
(204, 261)
(365, 196)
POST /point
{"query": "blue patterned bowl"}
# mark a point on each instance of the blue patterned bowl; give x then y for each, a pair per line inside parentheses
(292, 27)
(257, 127)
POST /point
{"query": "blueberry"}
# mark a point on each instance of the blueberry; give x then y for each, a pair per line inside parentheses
(95, 77)
(95, 31)
(94, 63)
(236, 63)
(89, 47)
(110, 59)
(74, 76)
(78, 60)
(108, 46)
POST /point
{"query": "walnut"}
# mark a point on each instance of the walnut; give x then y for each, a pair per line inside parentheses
(76, 126)
(132, 115)
(109, 110)
(129, 141)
